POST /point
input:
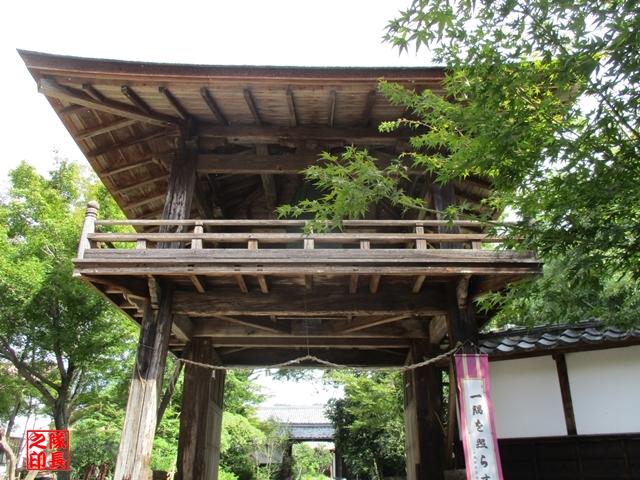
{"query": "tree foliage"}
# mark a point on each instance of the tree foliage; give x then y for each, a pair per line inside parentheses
(311, 462)
(60, 337)
(541, 98)
(567, 167)
(368, 423)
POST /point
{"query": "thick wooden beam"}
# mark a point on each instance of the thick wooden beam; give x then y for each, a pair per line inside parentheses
(93, 92)
(345, 356)
(291, 103)
(213, 106)
(368, 107)
(213, 327)
(175, 103)
(182, 327)
(437, 329)
(251, 103)
(374, 283)
(365, 323)
(182, 182)
(443, 197)
(134, 454)
(427, 434)
(283, 164)
(321, 301)
(141, 162)
(257, 323)
(301, 342)
(332, 108)
(201, 416)
(268, 184)
(50, 88)
(134, 98)
(130, 142)
(274, 134)
(135, 186)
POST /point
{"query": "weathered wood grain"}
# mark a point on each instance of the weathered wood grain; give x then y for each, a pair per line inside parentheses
(134, 454)
(320, 301)
(201, 416)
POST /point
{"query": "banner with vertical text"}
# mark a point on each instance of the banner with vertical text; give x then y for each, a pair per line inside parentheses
(477, 425)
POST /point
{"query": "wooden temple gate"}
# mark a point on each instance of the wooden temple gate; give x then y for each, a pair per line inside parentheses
(198, 158)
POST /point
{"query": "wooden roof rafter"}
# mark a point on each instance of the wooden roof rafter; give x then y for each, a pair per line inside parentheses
(52, 89)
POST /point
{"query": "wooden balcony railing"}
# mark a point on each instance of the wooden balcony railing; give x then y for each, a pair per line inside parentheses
(279, 234)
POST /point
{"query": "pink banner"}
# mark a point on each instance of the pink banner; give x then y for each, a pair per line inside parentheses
(477, 426)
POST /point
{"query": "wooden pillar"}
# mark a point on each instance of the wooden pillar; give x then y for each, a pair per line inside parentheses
(201, 416)
(423, 405)
(182, 181)
(134, 454)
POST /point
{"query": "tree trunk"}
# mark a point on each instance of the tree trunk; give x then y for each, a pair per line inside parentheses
(61, 422)
(9, 455)
(14, 414)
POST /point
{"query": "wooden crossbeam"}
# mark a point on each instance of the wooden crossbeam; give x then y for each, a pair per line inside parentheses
(365, 323)
(260, 324)
(248, 97)
(344, 356)
(368, 107)
(297, 342)
(93, 92)
(293, 115)
(213, 106)
(144, 201)
(134, 140)
(69, 109)
(283, 164)
(52, 89)
(142, 162)
(246, 134)
(105, 128)
(154, 291)
(437, 329)
(134, 98)
(374, 283)
(241, 283)
(321, 301)
(332, 107)
(134, 186)
(175, 103)
(182, 327)
(270, 193)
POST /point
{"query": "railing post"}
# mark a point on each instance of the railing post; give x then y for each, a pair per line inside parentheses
(88, 227)
(196, 243)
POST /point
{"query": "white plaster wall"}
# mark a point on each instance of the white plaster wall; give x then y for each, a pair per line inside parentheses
(526, 398)
(605, 389)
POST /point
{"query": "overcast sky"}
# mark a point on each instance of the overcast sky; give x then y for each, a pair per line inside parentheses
(260, 32)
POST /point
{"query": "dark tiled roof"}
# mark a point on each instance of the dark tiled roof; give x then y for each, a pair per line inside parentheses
(549, 337)
(301, 422)
(290, 414)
